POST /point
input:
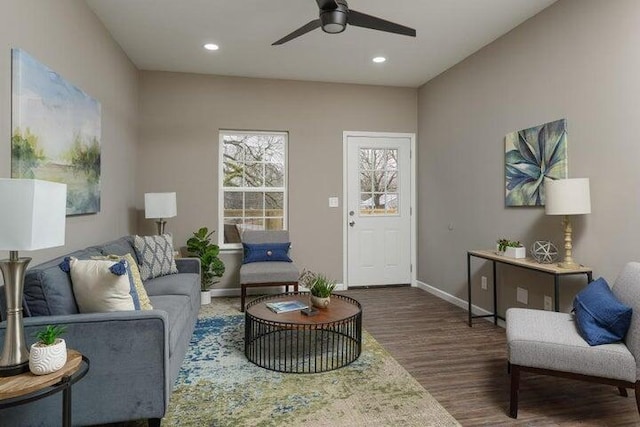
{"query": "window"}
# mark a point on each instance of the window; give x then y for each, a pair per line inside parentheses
(253, 183)
(378, 181)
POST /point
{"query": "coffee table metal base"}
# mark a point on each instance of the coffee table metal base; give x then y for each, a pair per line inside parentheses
(304, 347)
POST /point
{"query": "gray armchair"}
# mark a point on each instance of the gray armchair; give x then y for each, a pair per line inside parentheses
(546, 342)
(270, 273)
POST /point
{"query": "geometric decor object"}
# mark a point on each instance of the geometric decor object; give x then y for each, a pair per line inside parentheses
(532, 157)
(544, 252)
(56, 132)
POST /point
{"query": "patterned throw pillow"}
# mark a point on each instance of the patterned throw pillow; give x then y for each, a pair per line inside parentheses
(155, 254)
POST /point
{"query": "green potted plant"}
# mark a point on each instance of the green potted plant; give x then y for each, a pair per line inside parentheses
(320, 287)
(212, 267)
(49, 353)
(511, 248)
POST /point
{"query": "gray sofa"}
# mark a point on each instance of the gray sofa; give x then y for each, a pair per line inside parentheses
(135, 356)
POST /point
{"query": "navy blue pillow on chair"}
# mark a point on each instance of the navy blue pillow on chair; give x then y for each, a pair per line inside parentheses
(261, 252)
(600, 317)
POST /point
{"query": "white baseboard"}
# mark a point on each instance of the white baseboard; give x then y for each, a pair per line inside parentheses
(457, 301)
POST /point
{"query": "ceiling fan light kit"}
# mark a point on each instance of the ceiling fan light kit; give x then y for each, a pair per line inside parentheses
(335, 15)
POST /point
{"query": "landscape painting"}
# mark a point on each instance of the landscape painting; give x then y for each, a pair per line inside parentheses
(533, 156)
(56, 131)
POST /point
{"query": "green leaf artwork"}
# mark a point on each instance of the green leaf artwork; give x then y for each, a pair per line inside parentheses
(532, 156)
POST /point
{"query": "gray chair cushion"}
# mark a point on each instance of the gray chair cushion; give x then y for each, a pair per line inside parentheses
(268, 272)
(550, 340)
(265, 236)
(627, 289)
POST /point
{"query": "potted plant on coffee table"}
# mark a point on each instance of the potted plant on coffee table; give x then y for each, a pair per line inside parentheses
(49, 353)
(320, 287)
(212, 267)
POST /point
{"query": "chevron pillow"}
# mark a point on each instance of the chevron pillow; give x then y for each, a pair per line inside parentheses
(155, 254)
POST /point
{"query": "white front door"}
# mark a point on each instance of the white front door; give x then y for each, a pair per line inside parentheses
(378, 209)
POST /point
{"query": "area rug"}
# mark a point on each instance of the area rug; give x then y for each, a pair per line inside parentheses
(217, 386)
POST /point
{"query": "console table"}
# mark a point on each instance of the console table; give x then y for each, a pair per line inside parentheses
(27, 387)
(526, 263)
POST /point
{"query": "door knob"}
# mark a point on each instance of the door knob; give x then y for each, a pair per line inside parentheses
(352, 223)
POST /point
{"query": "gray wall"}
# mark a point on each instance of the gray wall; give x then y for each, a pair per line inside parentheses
(579, 60)
(180, 118)
(66, 36)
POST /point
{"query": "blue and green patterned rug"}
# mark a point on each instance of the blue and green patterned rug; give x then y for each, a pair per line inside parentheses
(217, 386)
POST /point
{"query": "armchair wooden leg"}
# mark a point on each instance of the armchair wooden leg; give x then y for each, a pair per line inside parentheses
(638, 395)
(515, 385)
(623, 392)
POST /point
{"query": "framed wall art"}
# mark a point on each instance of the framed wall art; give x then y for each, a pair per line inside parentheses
(56, 131)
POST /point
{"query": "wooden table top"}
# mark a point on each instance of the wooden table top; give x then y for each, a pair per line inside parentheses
(339, 309)
(25, 383)
(530, 263)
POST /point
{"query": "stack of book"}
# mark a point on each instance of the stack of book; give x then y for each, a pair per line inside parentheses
(286, 306)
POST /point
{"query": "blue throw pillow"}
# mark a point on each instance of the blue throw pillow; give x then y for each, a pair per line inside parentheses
(261, 252)
(600, 317)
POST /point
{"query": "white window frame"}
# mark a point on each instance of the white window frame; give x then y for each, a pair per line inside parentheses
(221, 189)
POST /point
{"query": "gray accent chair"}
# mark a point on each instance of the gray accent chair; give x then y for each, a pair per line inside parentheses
(271, 273)
(546, 342)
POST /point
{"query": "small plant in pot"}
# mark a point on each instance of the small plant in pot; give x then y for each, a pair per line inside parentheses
(49, 353)
(511, 248)
(212, 267)
(320, 287)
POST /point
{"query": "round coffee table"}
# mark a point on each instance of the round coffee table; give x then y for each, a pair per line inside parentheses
(294, 343)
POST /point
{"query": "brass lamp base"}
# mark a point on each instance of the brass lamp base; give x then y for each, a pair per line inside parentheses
(14, 359)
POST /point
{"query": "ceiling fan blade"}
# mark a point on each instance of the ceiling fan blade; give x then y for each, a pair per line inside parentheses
(327, 4)
(310, 26)
(360, 19)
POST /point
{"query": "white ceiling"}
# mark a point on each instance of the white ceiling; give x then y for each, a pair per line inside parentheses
(168, 35)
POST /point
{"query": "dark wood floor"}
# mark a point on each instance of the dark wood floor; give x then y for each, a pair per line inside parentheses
(465, 369)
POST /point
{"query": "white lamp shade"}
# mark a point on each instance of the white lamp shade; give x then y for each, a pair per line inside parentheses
(567, 196)
(33, 214)
(160, 205)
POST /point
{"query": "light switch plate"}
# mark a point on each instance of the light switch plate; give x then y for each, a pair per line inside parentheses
(333, 202)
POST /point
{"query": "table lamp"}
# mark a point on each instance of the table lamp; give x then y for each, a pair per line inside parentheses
(159, 206)
(32, 217)
(567, 197)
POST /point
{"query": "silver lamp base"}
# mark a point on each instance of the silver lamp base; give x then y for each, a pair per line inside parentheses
(160, 223)
(14, 359)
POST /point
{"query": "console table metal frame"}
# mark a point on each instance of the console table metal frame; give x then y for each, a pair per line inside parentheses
(64, 386)
(526, 263)
(294, 343)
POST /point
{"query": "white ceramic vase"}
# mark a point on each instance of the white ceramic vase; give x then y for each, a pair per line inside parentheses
(320, 302)
(45, 359)
(205, 297)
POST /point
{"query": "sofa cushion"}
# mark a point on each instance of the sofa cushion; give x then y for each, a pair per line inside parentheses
(121, 246)
(134, 276)
(541, 339)
(155, 254)
(187, 284)
(178, 310)
(48, 290)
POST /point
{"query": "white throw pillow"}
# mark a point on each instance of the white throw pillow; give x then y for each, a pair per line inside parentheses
(97, 289)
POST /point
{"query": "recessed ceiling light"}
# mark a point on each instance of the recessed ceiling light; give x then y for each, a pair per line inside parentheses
(379, 59)
(211, 46)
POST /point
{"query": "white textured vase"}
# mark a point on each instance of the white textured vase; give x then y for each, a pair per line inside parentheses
(205, 297)
(319, 301)
(45, 359)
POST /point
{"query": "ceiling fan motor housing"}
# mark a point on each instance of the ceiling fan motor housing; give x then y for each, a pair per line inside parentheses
(335, 20)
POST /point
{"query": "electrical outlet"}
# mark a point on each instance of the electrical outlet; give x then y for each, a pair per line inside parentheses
(548, 303)
(522, 295)
(483, 283)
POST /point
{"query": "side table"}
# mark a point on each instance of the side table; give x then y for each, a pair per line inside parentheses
(26, 387)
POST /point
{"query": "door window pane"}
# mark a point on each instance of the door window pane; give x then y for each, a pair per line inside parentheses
(378, 181)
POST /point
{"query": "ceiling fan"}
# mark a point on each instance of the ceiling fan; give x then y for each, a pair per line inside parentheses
(334, 17)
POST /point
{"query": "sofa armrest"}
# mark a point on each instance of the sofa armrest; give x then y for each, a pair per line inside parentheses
(129, 357)
(188, 265)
